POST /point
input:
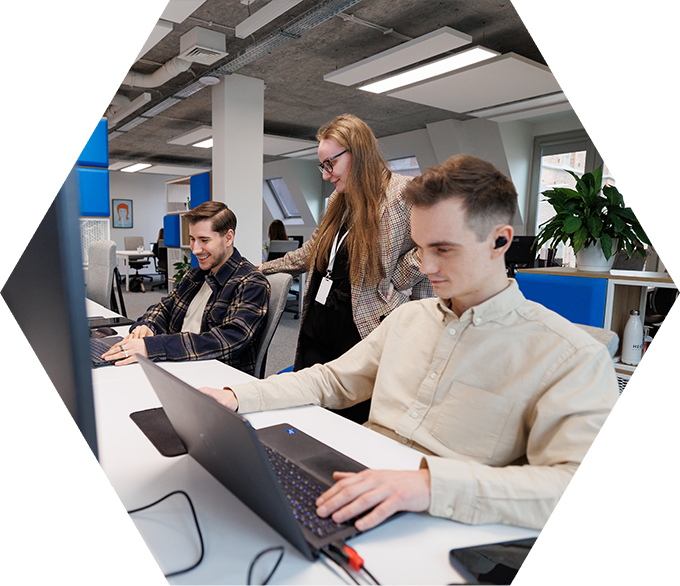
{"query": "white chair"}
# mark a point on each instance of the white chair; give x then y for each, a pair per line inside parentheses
(99, 275)
(279, 284)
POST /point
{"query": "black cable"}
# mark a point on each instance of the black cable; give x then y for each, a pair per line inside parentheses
(258, 556)
(198, 529)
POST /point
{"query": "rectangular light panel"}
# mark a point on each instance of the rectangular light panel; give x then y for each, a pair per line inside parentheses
(425, 47)
(489, 83)
(135, 168)
(193, 136)
(279, 145)
(264, 16)
(446, 65)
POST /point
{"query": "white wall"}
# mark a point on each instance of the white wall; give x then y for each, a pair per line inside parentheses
(147, 192)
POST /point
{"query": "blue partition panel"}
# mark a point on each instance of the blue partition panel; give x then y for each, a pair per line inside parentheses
(96, 151)
(581, 300)
(93, 185)
(200, 189)
(171, 230)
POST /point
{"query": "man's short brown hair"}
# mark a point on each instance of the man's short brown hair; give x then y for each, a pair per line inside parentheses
(488, 196)
(223, 219)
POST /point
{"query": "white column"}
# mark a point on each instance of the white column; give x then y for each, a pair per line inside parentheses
(238, 130)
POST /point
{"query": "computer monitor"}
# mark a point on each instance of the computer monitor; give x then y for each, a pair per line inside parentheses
(520, 254)
(46, 295)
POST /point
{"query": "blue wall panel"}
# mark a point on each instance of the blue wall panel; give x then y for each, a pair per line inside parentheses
(581, 300)
(96, 151)
(93, 185)
(200, 189)
(171, 230)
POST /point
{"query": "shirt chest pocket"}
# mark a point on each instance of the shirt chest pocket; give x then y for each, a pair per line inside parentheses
(471, 420)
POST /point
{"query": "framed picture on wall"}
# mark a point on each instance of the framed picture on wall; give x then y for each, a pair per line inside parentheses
(121, 213)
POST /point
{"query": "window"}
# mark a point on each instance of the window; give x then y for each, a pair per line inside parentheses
(554, 155)
(405, 166)
(279, 200)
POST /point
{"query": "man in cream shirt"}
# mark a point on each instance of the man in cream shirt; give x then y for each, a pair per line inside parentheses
(503, 396)
(217, 311)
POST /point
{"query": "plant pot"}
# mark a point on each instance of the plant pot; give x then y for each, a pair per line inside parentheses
(592, 259)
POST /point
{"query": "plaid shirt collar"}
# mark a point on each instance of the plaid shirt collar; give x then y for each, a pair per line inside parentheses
(222, 275)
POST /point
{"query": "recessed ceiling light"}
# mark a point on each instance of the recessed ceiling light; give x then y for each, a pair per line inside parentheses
(136, 167)
(204, 144)
(446, 65)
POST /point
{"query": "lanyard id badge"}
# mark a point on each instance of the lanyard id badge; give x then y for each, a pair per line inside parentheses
(327, 281)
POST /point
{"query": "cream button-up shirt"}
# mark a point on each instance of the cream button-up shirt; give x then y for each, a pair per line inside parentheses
(504, 401)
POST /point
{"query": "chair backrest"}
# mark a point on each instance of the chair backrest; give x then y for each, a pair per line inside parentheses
(99, 275)
(280, 285)
(278, 248)
(162, 255)
(133, 242)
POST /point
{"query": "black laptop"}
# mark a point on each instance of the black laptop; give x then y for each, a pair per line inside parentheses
(277, 471)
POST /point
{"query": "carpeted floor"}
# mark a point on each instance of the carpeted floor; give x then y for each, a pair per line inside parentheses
(281, 350)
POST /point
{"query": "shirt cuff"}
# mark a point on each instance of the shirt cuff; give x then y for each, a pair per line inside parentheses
(452, 488)
(249, 400)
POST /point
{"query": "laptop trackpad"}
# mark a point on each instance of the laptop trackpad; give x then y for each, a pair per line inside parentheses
(324, 465)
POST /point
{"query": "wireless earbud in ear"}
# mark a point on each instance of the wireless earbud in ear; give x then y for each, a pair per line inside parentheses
(500, 241)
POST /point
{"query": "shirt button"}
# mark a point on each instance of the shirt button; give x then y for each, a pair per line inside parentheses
(414, 415)
(452, 332)
(433, 375)
(404, 440)
(478, 320)
(449, 511)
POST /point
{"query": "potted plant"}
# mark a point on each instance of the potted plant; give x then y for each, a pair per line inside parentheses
(594, 221)
(181, 268)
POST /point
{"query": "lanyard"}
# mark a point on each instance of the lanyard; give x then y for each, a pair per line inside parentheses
(334, 252)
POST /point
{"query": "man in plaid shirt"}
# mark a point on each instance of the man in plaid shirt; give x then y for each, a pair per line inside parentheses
(217, 311)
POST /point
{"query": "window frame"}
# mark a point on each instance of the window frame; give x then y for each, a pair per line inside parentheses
(549, 144)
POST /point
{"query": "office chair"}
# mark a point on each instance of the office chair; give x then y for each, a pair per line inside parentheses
(160, 259)
(659, 303)
(278, 249)
(116, 287)
(279, 284)
(99, 275)
(137, 262)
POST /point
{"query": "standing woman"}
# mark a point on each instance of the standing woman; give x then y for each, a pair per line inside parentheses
(361, 259)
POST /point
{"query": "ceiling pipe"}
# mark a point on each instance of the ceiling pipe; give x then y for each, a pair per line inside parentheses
(163, 74)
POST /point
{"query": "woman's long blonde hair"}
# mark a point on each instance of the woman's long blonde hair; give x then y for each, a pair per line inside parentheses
(364, 190)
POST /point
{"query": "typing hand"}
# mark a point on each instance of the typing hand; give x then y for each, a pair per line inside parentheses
(389, 491)
(124, 352)
(224, 396)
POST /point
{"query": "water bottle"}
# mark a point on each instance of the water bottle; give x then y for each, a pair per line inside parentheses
(631, 351)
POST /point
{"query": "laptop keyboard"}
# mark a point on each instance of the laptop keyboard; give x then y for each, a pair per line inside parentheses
(302, 490)
(98, 347)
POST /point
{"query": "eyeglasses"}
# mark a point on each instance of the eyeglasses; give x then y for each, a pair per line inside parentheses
(327, 165)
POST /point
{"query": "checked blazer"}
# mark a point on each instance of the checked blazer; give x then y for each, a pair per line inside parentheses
(232, 322)
(403, 279)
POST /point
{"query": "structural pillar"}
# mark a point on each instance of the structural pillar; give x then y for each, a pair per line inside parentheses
(237, 153)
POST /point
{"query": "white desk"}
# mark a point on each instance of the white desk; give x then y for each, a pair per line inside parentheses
(412, 549)
(125, 255)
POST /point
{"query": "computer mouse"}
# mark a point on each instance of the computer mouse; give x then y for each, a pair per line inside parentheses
(107, 331)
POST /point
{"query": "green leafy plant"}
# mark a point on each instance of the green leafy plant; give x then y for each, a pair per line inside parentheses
(592, 213)
(181, 268)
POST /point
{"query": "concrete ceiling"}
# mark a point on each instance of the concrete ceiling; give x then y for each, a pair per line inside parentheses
(297, 99)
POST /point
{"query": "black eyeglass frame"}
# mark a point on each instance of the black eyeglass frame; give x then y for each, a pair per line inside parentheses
(324, 165)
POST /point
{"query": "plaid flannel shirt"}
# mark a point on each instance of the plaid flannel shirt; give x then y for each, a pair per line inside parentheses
(232, 322)
(403, 280)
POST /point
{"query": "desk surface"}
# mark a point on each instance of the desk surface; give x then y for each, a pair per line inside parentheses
(412, 549)
(632, 276)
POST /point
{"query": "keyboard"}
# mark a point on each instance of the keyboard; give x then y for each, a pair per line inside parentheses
(302, 490)
(99, 346)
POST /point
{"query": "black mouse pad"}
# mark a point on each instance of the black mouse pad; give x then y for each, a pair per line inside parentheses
(156, 426)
